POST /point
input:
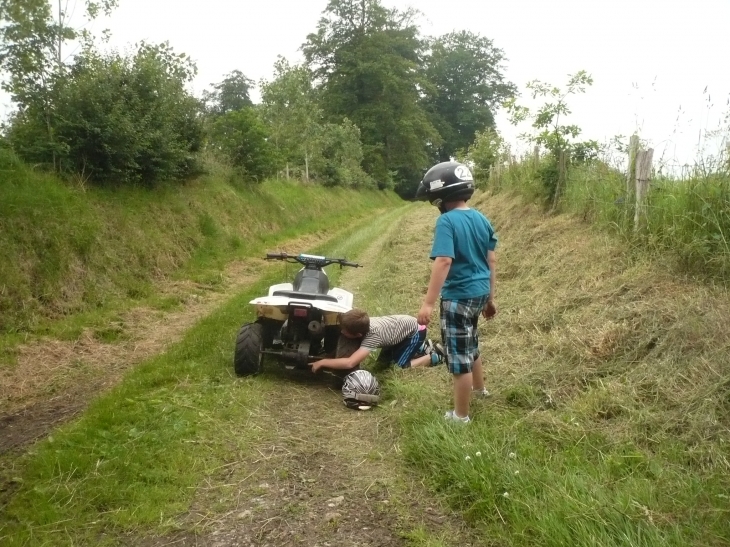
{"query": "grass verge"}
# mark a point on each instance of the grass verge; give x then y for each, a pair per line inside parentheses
(685, 227)
(75, 256)
(609, 423)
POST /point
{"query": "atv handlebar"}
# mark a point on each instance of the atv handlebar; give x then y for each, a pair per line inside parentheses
(305, 260)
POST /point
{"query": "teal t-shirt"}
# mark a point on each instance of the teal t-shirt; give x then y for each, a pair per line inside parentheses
(465, 236)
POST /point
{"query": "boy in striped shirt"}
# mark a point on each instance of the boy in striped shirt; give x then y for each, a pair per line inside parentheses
(399, 337)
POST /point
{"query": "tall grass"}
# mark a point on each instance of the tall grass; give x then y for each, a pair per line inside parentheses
(609, 417)
(687, 220)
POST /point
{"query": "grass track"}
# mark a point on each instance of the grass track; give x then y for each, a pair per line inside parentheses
(609, 423)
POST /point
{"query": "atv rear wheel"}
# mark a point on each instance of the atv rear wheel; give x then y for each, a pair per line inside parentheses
(248, 358)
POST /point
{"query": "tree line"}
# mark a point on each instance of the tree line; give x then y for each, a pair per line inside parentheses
(374, 103)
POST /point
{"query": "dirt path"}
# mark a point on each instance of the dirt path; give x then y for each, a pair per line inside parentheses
(327, 476)
(55, 380)
(318, 475)
(321, 475)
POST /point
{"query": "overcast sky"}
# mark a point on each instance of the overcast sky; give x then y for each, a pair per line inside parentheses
(651, 59)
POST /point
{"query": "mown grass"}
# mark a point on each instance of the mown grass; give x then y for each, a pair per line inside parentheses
(72, 254)
(609, 423)
(136, 456)
(132, 465)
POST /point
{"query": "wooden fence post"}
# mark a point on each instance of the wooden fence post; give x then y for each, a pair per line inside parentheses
(630, 173)
(562, 172)
(643, 174)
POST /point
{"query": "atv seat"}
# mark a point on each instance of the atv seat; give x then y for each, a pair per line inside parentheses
(305, 295)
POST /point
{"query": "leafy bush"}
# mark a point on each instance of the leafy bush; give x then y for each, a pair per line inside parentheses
(118, 119)
(487, 150)
(550, 130)
(340, 156)
(241, 135)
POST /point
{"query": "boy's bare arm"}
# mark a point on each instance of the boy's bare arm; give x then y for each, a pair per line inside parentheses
(490, 308)
(492, 263)
(342, 363)
(439, 271)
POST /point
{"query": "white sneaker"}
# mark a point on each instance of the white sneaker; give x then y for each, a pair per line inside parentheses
(481, 393)
(451, 416)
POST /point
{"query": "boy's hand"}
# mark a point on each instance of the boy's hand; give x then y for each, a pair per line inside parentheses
(424, 315)
(490, 310)
(316, 366)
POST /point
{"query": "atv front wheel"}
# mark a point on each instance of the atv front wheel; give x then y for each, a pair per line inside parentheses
(248, 358)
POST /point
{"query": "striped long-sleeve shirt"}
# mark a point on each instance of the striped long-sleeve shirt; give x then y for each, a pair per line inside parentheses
(388, 330)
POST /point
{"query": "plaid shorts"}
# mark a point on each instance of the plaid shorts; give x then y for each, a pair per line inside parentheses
(459, 332)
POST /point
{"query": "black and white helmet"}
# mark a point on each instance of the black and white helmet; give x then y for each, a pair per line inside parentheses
(361, 390)
(444, 182)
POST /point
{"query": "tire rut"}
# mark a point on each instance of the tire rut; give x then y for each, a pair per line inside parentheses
(322, 474)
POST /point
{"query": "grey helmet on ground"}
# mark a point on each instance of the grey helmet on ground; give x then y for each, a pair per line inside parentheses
(361, 390)
(444, 182)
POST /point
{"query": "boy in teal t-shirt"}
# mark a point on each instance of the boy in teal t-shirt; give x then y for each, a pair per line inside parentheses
(465, 236)
(464, 273)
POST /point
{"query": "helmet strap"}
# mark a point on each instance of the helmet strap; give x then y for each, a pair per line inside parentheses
(440, 204)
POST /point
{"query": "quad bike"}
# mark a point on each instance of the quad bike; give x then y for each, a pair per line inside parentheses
(297, 322)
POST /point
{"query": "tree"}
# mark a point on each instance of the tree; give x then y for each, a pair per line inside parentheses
(291, 110)
(242, 136)
(331, 153)
(339, 156)
(550, 130)
(547, 121)
(366, 62)
(488, 149)
(31, 53)
(466, 85)
(230, 94)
